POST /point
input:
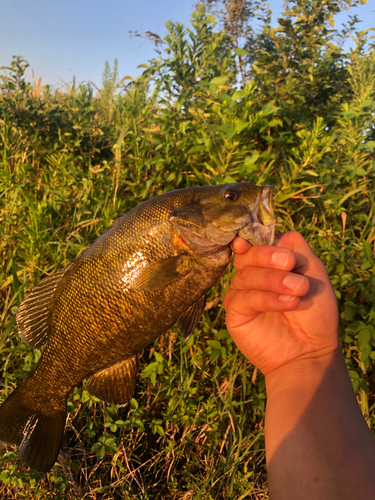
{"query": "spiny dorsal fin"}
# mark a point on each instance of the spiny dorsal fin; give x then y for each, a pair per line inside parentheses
(162, 273)
(34, 312)
(115, 384)
(189, 319)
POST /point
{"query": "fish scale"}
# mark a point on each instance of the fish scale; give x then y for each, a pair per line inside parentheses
(153, 268)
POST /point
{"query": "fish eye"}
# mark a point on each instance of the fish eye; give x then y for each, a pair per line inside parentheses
(230, 195)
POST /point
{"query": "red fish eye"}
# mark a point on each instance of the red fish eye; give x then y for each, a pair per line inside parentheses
(230, 195)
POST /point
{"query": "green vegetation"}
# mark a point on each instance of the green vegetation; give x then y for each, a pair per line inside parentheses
(219, 103)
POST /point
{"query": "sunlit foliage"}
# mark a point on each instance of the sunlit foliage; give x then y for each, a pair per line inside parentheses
(287, 106)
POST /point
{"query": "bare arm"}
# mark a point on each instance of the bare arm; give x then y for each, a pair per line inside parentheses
(318, 445)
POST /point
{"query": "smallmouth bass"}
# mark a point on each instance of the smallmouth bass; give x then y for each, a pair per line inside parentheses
(150, 270)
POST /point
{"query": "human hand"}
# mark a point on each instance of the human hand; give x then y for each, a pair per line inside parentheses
(281, 306)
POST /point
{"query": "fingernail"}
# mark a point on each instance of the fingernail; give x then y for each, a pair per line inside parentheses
(286, 298)
(293, 281)
(280, 259)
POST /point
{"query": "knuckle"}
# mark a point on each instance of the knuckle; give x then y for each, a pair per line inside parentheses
(246, 275)
(256, 253)
(270, 278)
(237, 263)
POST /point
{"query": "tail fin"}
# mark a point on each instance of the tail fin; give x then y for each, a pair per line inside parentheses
(37, 432)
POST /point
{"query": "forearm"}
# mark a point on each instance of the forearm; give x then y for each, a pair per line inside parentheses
(317, 442)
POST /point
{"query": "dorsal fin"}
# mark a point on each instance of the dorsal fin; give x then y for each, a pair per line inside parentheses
(34, 313)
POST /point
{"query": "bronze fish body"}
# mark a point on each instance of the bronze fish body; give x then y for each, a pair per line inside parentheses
(150, 270)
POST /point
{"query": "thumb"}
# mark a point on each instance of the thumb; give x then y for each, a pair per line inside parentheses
(240, 246)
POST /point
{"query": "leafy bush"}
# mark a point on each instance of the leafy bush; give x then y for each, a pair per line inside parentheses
(285, 106)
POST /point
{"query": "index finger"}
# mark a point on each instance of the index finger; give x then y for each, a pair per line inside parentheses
(267, 257)
(291, 252)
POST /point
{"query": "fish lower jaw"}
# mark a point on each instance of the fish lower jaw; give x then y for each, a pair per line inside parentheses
(258, 234)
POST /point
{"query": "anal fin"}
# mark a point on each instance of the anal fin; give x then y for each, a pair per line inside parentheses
(115, 384)
(189, 319)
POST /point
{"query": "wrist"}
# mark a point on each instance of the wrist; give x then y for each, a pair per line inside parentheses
(305, 393)
(305, 374)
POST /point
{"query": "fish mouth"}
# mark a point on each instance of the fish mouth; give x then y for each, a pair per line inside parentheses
(257, 227)
(261, 229)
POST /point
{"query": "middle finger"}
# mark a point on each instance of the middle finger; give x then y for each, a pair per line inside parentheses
(272, 280)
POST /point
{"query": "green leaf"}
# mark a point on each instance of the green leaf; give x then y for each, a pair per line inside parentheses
(228, 129)
(195, 149)
(139, 424)
(215, 355)
(250, 160)
(340, 269)
(210, 18)
(350, 194)
(269, 108)
(367, 264)
(274, 122)
(356, 326)
(282, 197)
(363, 384)
(238, 95)
(360, 172)
(241, 52)
(214, 344)
(353, 374)
(160, 430)
(365, 353)
(347, 339)
(349, 115)
(219, 80)
(158, 357)
(366, 103)
(349, 311)
(134, 403)
(367, 249)
(364, 338)
(7, 330)
(241, 126)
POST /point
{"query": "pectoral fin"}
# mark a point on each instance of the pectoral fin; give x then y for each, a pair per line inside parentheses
(162, 273)
(115, 384)
(189, 319)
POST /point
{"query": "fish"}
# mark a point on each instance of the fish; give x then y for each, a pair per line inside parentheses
(150, 270)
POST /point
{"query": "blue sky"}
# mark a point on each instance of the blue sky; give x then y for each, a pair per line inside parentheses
(75, 37)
